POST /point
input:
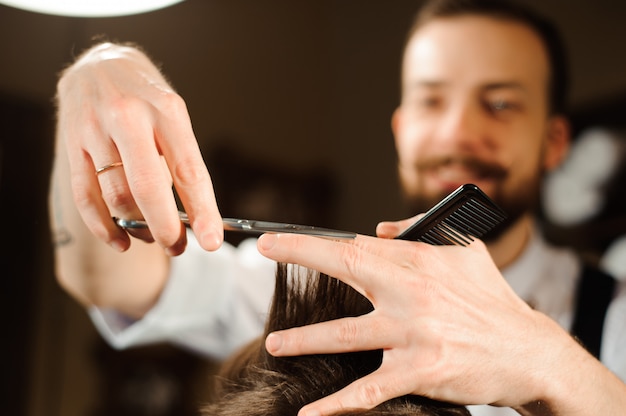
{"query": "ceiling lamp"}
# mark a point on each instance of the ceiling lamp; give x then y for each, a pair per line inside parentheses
(89, 8)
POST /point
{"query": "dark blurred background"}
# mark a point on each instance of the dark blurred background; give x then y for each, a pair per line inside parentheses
(291, 103)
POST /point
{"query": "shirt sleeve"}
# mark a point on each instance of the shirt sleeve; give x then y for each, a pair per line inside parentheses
(213, 302)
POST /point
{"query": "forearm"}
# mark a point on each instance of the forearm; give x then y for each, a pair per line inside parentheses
(572, 382)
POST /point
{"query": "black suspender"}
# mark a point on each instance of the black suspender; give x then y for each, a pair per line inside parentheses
(594, 294)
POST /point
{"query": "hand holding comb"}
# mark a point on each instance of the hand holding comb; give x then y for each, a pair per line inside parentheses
(465, 214)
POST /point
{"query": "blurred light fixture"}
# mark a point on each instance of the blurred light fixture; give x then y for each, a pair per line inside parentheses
(89, 8)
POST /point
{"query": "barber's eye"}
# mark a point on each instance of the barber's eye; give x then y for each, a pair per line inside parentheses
(500, 105)
(425, 104)
(428, 102)
(431, 101)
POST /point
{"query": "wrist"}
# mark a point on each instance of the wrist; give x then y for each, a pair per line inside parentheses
(550, 373)
(568, 381)
(101, 52)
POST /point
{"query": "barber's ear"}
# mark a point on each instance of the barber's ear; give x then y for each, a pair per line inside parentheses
(396, 120)
(557, 142)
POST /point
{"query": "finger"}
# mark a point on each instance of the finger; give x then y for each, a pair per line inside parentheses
(391, 229)
(113, 183)
(352, 262)
(189, 172)
(119, 200)
(89, 202)
(370, 265)
(79, 138)
(114, 189)
(150, 187)
(364, 333)
(364, 393)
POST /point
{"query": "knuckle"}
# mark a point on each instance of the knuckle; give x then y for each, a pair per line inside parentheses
(118, 198)
(352, 259)
(418, 253)
(144, 183)
(123, 110)
(347, 332)
(369, 393)
(172, 104)
(190, 172)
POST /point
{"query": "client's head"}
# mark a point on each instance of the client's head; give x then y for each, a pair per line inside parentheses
(254, 383)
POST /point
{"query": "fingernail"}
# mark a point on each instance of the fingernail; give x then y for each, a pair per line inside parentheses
(267, 241)
(118, 246)
(274, 342)
(212, 239)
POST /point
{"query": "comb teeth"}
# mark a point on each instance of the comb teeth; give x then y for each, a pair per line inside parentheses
(470, 220)
(461, 217)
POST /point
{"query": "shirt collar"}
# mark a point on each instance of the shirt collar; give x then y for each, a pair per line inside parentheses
(545, 276)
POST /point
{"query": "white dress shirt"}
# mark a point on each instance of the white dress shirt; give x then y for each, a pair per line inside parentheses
(213, 303)
(216, 302)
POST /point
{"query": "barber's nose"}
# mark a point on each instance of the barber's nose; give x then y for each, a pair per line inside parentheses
(462, 127)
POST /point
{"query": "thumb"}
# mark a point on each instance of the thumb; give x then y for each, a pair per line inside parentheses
(391, 229)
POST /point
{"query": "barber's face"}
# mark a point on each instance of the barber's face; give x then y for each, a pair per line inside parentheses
(475, 110)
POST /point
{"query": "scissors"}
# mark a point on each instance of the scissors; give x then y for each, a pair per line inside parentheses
(253, 226)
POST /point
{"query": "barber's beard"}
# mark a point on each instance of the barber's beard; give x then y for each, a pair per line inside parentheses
(515, 201)
(521, 201)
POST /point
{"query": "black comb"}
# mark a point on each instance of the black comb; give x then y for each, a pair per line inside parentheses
(465, 214)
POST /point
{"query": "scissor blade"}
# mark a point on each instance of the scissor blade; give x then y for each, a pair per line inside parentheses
(253, 226)
(235, 224)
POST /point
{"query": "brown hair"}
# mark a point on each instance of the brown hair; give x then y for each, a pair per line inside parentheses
(502, 9)
(254, 383)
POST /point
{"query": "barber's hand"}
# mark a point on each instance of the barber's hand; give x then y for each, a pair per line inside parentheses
(449, 325)
(115, 106)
